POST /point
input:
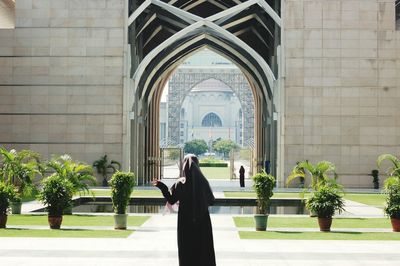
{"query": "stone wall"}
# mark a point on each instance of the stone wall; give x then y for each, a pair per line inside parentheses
(342, 84)
(61, 78)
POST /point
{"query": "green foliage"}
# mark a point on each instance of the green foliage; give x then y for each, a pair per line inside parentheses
(7, 195)
(213, 164)
(121, 184)
(196, 146)
(326, 200)
(392, 185)
(318, 173)
(79, 174)
(210, 159)
(392, 191)
(20, 169)
(174, 154)
(225, 146)
(393, 170)
(56, 193)
(263, 185)
(104, 168)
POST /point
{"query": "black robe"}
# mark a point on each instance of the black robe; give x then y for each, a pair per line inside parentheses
(195, 237)
(241, 176)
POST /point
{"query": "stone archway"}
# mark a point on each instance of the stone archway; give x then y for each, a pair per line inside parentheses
(162, 34)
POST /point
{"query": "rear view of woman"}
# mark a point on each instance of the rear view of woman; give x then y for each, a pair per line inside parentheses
(193, 194)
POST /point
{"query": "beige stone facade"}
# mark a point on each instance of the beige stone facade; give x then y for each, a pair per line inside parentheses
(62, 91)
(61, 78)
(342, 84)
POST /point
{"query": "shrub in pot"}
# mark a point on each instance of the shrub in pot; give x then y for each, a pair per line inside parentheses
(19, 169)
(56, 195)
(7, 194)
(79, 174)
(392, 190)
(263, 185)
(392, 208)
(318, 174)
(324, 202)
(121, 184)
(375, 178)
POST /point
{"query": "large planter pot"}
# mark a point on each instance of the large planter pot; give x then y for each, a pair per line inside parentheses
(261, 221)
(325, 224)
(16, 207)
(55, 221)
(3, 220)
(120, 221)
(395, 224)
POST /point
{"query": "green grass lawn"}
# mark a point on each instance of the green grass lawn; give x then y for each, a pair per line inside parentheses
(318, 235)
(309, 222)
(216, 172)
(377, 200)
(65, 233)
(74, 220)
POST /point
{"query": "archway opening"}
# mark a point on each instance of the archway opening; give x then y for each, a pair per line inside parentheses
(202, 102)
(163, 34)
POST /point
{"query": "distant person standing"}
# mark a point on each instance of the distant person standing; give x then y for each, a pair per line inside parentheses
(241, 176)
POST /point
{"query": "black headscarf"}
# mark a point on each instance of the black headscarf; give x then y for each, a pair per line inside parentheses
(202, 193)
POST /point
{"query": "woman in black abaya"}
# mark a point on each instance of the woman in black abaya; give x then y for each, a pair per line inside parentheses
(194, 194)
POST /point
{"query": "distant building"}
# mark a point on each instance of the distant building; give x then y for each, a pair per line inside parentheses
(208, 98)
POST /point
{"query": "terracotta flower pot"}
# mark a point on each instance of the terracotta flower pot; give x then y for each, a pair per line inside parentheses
(395, 224)
(325, 224)
(55, 221)
(3, 220)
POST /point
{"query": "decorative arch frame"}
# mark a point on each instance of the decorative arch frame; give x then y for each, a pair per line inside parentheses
(149, 72)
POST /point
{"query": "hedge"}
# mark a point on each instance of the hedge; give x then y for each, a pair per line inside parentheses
(213, 164)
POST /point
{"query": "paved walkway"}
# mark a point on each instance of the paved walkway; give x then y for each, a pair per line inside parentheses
(155, 244)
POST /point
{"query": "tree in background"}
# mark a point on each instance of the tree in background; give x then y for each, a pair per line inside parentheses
(196, 146)
(225, 146)
(174, 153)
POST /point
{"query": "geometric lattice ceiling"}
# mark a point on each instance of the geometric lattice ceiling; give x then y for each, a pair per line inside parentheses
(248, 20)
(162, 32)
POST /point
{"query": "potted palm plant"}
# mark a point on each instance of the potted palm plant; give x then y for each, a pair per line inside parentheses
(263, 185)
(318, 173)
(56, 195)
(324, 202)
(104, 168)
(7, 194)
(392, 190)
(79, 174)
(20, 169)
(121, 184)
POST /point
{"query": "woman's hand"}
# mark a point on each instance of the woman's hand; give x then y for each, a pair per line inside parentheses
(155, 181)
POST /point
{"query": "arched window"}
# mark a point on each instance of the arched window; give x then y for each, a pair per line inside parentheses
(183, 113)
(211, 120)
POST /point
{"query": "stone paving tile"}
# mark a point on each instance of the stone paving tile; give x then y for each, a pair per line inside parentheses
(155, 244)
